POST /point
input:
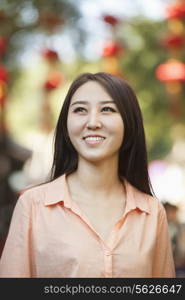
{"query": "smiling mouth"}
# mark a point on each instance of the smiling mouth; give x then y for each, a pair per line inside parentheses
(94, 140)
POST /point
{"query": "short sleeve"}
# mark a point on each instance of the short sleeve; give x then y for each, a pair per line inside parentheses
(16, 257)
(163, 264)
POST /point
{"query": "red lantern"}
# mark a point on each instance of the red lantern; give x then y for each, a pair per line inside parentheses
(3, 45)
(3, 74)
(53, 82)
(112, 49)
(171, 71)
(110, 20)
(174, 41)
(50, 55)
(176, 11)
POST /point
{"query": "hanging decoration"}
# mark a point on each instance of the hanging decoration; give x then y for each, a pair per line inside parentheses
(113, 48)
(176, 11)
(172, 72)
(172, 75)
(50, 55)
(173, 41)
(54, 79)
(113, 21)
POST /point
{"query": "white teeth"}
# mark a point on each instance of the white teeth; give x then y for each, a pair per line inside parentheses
(90, 138)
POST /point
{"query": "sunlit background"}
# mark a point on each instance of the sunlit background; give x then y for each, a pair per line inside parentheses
(44, 45)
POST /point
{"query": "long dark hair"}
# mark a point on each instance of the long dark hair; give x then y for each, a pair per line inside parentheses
(132, 154)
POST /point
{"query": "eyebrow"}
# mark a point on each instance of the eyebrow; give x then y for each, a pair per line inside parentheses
(86, 102)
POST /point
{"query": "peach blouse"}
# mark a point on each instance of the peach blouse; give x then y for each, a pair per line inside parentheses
(49, 236)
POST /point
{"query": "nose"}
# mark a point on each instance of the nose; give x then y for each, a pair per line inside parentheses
(93, 121)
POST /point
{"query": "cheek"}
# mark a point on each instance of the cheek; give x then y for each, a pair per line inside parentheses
(120, 134)
(71, 124)
(117, 127)
(73, 127)
(70, 128)
(68, 123)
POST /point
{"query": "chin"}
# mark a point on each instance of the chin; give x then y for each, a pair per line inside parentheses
(94, 159)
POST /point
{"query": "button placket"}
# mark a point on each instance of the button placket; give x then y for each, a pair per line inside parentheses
(108, 247)
(108, 263)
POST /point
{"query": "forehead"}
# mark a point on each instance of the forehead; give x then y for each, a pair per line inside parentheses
(91, 91)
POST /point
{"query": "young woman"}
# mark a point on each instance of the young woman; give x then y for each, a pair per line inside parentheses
(97, 216)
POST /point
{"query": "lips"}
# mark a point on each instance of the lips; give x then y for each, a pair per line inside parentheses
(93, 136)
(93, 140)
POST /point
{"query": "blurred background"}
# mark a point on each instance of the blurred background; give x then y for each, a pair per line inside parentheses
(45, 44)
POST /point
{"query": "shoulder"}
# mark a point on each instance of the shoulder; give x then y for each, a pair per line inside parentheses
(157, 212)
(155, 203)
(33, 193)
(161, 212)
(40, 194)
(152, 204)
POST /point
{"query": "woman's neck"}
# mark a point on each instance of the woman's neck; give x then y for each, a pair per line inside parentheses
(100, 179)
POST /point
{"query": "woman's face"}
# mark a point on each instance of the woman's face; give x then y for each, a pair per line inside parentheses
(93, 113)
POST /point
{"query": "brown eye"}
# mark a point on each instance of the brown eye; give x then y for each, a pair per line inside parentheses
(108, 108)
(79, 109)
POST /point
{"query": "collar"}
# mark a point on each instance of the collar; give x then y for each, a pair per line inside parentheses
(135, 199)
(57, 192)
